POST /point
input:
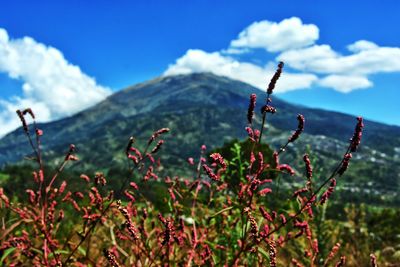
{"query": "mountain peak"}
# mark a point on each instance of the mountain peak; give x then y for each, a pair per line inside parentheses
(200, 105)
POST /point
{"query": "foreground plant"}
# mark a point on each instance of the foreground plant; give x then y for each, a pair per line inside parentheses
(211, 218)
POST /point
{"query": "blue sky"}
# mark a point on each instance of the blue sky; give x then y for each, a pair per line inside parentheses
(62, 56)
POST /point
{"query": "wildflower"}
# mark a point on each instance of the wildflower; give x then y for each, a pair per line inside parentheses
(220, 160)
(62, 187)
(264, 191)
(79, 195)
(99, 178)
(373, 260)
(265, 181)
(300, 191)
(39, 132)
(206, 183)
(272, 253)
(252, 159)
(157, 147)
(72, 148)
(206, 254)
(150, 174)
(129, 196)
(256, 134)
(253, 226)
(190, 161)
(296, 263)
(315, 246)
(220, 247)
(265, 231)
(111, 258)
(221, 187)
(250, 111)
(283, 218)
(253, 222)
(150, 157)
(285, 167)
(23, 121)
(342, 262)
(67, 196)
(128, 223)
(171, 194)
(128, 147)
(72, 158)
(268, 109)
(136, 151)
(28, 111)
(260, 162)
(333, 252)
(32, 195)
(157, 134)
(345, 163)
(275, 78)
(210, 173)
(308, 166)
(265, 214)
(299, 130)
(74, 204)
(169, 232)
(134, 185)
(96, 193)
(356, 139)
(85, 177)
(275, 157)
(328, 192)
(60, 215)
(250, 133)
(145, 213)
(41, 176)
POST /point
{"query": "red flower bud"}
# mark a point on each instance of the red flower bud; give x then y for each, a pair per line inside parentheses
(250, 111)
(275, 78)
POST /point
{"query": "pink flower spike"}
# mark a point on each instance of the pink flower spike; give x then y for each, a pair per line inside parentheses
(264, 191)
(190, 161)
(250, 111)
(39, 132)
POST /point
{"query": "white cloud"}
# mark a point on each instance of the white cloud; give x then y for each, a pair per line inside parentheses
(295, 42)
(196, 60)
(344, 83)
(274, 37)
(361, 45)
(368, 59)
(309, 58)
(52, 86)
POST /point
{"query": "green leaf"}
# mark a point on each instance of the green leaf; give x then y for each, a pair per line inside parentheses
(263, 252)
(6, 253)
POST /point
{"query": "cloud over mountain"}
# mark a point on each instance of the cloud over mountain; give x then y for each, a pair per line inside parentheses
(274, 37)
(52, 86)
(308, 64)
(196, 60)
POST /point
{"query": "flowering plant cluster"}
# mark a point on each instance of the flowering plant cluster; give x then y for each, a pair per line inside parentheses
(209, 220)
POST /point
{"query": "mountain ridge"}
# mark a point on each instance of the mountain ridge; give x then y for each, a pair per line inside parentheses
(200, 108)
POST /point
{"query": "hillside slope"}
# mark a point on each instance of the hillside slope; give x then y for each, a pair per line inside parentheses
(206, 109)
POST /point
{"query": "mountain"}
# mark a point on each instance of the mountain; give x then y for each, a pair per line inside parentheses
(206, 109)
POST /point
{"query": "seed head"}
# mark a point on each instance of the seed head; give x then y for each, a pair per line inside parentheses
(299, 130)
(275, 78)
(250, 111)
(356, 139)
(345, 163)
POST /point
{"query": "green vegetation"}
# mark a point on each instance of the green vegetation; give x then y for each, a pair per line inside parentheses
(255, 202)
